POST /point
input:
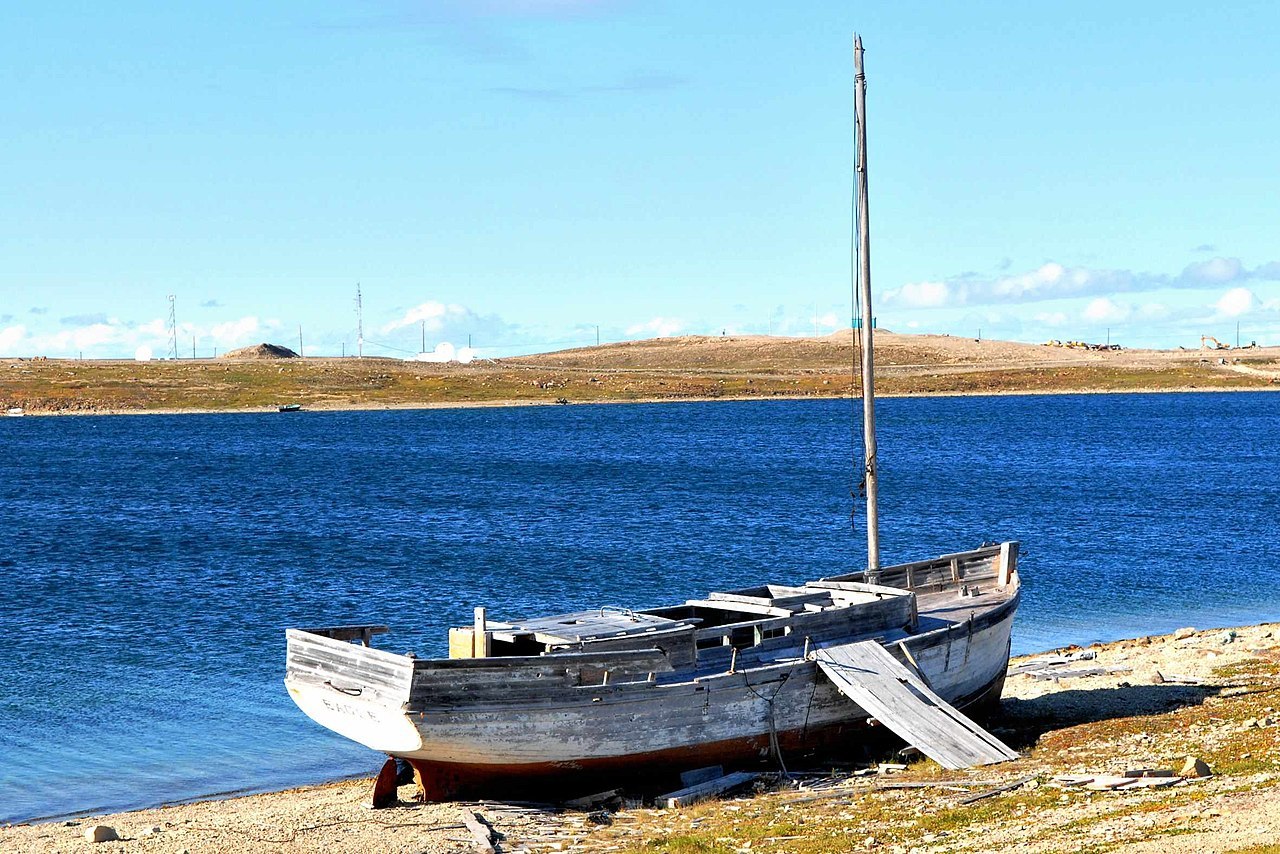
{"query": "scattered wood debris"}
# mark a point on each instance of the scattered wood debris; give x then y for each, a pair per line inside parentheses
(708, 789)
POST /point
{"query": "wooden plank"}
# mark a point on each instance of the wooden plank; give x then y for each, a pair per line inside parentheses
(482, 832)
(741, 607)
(589, 802)
(701, 775)
(1007, 787)
(866, 673)
(693, 794)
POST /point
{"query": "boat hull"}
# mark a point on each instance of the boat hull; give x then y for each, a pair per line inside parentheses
(854, 738)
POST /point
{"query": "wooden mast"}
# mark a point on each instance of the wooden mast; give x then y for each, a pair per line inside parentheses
(864, 284)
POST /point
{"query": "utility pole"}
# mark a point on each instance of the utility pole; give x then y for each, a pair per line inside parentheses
(863, 276)
(468, 340)
(424, 337)
(193, 346)
(1108, 336)
(359, 324)
(1237, 335)
(597, 335)
(173, 328)
(300, 354)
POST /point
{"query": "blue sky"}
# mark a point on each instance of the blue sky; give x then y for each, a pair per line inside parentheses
(523, 171)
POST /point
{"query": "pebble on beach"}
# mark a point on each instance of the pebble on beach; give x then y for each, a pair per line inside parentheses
(101, 833)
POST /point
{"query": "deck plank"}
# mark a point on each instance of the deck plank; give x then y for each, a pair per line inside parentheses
(868, 674)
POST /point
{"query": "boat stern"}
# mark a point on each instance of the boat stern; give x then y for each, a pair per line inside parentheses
(355, 690)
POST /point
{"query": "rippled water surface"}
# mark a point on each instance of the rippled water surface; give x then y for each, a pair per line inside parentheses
(151, 564)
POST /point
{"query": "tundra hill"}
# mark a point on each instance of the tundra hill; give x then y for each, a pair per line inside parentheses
(834, 352)
(685, 368)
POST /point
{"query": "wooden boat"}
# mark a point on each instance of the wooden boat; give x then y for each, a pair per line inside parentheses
(759, 674)
(575, 700)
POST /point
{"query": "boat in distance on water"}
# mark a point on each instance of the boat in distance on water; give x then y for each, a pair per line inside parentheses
(566, 701)
(569, 701)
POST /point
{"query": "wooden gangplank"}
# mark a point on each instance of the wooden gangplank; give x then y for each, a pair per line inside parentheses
(887, 690)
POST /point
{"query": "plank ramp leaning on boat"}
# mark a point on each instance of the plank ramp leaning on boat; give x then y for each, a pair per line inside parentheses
(868, 674)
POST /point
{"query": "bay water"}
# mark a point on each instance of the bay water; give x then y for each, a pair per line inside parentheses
(151, 564)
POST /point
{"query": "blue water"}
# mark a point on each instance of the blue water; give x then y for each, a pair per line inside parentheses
(150, 565)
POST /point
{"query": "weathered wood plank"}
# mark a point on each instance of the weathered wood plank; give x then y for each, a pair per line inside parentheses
(482, 833)
(866, 673)
(702, 791)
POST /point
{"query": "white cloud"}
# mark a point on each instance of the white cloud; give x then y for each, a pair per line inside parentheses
(1103, 309)
(1215, 271)
(1052, 318)
(828, 320)
(235, 332)
(10, 336)
(1235, 302)
(1055, 281)
(921, 294)
(434, 314)
(660, 327)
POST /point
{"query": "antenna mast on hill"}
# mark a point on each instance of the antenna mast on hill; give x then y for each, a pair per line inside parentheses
(173, 328)
(359, 324)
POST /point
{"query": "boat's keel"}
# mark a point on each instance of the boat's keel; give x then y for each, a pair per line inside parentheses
(384, 787)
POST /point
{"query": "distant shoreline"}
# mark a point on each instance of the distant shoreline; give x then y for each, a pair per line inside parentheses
(517, 403)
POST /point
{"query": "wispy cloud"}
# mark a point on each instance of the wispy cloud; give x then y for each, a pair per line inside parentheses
(472, 28)
(660, 327)
(630, 85)
(39, 310)
(536, 8)
(83, 319)
(1055, 281)
(211, 303)
(431, 315)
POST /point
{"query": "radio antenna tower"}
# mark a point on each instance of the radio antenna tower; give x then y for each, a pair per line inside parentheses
(173, 328)
(359, 324)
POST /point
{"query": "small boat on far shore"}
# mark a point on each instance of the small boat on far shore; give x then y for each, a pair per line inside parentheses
(15, 412)
(289, 407)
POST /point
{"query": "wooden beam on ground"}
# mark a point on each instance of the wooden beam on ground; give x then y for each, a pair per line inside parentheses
(482, 832)
(1007, 787)
(710, 789)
